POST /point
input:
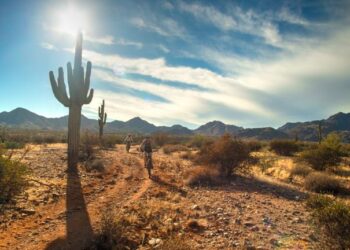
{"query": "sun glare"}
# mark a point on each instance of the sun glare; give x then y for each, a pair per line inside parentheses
(71, 20)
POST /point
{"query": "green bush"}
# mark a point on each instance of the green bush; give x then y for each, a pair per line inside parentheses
(12, 179)
(284, 147)
(328, 154)
(198, 141)
(225, 153)
(322, 183)
(13, 145)
(332, 217)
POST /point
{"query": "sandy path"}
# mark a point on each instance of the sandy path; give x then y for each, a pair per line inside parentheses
(47, 228)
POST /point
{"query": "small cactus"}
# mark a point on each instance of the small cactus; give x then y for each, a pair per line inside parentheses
(79, 94)
(102, 117)
(320, 136)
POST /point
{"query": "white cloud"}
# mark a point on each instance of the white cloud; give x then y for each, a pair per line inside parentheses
(167, 27)
(48, 46)
(130, 43)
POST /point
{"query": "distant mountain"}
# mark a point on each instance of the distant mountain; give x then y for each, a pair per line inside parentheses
(308, 131)
(217, 128)
(340, 122)
(261, 134)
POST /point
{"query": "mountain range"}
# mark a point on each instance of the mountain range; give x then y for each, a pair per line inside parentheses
(340, 122)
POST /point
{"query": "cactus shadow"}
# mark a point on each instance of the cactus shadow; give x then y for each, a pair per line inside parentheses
(79, 232)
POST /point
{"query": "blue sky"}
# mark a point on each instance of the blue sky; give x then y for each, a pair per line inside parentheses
(249, 63)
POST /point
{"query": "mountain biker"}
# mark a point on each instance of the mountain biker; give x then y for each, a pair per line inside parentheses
(146, 148)
(128, 140)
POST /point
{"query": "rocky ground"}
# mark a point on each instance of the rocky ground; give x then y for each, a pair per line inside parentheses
(247, 213)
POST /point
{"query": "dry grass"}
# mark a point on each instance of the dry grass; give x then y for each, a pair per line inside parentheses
(171, 148)
(323, 183)
(300, 170)
(202, 176)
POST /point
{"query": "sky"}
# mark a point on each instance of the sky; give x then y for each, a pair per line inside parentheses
(248, 63)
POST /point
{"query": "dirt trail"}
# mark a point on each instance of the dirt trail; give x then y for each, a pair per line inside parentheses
(46, 229)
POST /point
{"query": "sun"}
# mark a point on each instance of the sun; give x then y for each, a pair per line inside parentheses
(71, 20)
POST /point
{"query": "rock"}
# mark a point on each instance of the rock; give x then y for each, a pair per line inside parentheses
(195, 207)
(154, 241)
(28, 211)
(249, 224)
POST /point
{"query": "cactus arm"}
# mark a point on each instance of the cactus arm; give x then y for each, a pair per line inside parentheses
(70, 78)
(87, 78)
(62, 88)
(78, 51)
(59, 89)
(89, 97)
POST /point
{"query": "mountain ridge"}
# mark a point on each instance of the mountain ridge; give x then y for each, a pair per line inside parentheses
(339, 122)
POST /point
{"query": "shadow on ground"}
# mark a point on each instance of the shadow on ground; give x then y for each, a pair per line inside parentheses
(79, 232)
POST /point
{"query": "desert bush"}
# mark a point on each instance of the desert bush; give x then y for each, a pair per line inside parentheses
(284, 147)
(328, 154)
(170, 148)
(198, 141)
(12, 178)
(87, 146)
(300, 170)
(332, 218)
(227, 154)
(322, 183)
(111, 234)
(95, 165)
(254, 146)
(13, 145)
(108, 142)
(202, 176)
(160, 139)
(187, 155)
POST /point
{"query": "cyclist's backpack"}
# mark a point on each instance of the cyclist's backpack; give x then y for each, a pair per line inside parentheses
(147, 147)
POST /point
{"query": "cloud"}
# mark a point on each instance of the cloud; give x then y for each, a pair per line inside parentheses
(130, 43)
(163, 48)
(167, 27)
(48, 46)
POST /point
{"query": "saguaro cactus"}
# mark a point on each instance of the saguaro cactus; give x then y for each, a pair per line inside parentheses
(320, 136)
(79, 94)
(102, 117)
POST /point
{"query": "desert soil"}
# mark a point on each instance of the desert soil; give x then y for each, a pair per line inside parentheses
(247, 213)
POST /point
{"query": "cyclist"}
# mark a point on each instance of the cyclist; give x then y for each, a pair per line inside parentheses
(146, 148)
(128, 140)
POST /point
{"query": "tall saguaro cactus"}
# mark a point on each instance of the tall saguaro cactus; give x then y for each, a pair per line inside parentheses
(320, 136)
(79, 94)
(102, 117)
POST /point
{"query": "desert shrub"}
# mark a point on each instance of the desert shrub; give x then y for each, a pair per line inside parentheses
(329, 153)
(13, 145)
(331, 217)
(111, 234)
(225, 153)
(198, 141)
(87, 146)
(284, 147)
(322, 183)
(12, 178)
(202, 176)
(168, 149)
(160, 139)
(254, 146)
(300, 170)
(95, 165)
(187, 155)
(108, 142)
